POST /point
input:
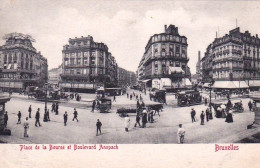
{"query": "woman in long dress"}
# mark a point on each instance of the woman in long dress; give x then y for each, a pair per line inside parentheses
(127, 123)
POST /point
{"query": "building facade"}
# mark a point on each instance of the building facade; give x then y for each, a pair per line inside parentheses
(164, 63)
(21, 65)
(233, 57)
(125, 78)
(54, 75)
(87, 65)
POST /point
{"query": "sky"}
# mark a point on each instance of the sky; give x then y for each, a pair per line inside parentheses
(124, 26)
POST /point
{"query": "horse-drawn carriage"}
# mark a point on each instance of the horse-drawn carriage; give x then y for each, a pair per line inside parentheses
(238, 107)
(104, 105)
(158, 95)
(149, 105)
(188, 98)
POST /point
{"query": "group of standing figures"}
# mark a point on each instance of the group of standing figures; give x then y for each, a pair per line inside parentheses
(46, 116)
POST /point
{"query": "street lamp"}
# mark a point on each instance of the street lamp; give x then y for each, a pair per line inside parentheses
(45, 119)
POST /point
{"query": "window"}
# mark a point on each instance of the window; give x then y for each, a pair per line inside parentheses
(177, 64)
(78, 71)
(177, 49)
(93, 60)
(100, 71)
(5, 59)
(85, 61)
(78, 61)
(72, 61)
(93, 53)
(183, 50)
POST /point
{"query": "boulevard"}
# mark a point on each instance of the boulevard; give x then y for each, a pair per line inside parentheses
(163, 130)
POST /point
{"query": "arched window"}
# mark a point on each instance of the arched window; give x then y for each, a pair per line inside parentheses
(10, 58)
(15, 58)
(5, 59)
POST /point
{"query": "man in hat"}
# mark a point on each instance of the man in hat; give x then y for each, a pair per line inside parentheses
(75, 115)
(37, 118)
(193, 113)
(98, 124)
(65, 117)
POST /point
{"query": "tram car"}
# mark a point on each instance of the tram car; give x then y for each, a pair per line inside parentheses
(188, 98)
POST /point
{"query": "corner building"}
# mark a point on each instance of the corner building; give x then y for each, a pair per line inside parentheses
(234, 58)
(164, 63)
(21, 65)
(87, 65)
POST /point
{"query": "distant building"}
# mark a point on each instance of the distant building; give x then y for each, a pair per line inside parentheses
(54, 75)
(87, 65)
(164, 63)
(125, 77)
(234, 58)
(21, 65)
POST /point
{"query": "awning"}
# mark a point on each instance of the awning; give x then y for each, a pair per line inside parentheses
(254, 83)
(206, 84)
(144, 81)
(241, 84)
(229, 84)
(187, 82)
(175, 70)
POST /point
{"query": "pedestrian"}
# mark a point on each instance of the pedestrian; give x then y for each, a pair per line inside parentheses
(127, 123)
(202, 116)
(144, 118)
(57, 109)
(26, 127)
(193, 114)
(180, 134)
(114, 100)
(30, 111)
(75, 115)
(207, 114)
(19, 117)
(127, 95)
(206, 101)
(53, 106)
(137, 120)
(131, 96)
(250, 105)
(48, 115)
(98, 124)
(5, 119)
(65, 117)
(37, 117)
(229, 118)
(93, 106)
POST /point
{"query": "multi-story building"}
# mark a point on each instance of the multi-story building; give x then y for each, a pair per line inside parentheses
(54, 75)
(125, 77)
(164, 63)
(21, 65)
(233, 57)
(87, 65)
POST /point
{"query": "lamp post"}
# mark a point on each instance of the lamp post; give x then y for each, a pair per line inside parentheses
(45, 119)
(46, 90)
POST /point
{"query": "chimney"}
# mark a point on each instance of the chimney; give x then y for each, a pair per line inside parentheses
(256, 35)
(165, 28)
(199, 56)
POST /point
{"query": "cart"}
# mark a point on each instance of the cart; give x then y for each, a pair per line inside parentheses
(105, 105)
